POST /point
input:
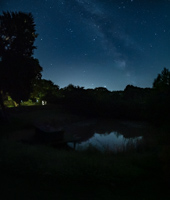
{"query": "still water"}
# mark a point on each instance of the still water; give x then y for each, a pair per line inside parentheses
(108, 135)
(107, 142)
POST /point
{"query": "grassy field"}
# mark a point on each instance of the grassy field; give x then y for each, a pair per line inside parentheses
(43, 172)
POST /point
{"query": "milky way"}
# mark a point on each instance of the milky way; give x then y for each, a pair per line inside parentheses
(105, 43)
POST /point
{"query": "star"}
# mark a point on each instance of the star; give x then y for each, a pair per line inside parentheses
(89, 35)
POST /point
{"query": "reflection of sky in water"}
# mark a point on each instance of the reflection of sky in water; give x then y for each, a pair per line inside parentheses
(113, 141)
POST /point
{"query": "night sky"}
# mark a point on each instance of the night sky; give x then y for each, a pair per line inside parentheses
(99, 43)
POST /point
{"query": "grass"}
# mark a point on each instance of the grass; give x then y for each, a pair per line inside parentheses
(43, 172)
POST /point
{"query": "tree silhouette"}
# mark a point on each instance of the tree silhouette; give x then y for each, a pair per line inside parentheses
(162, 82)
(17, 34)
(159, 104)
(18, 68)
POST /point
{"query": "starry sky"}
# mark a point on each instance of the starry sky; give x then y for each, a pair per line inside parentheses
(99, 43)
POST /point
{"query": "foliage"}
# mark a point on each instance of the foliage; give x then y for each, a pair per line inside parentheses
(17, 34)
(162, 82)
(100, 102)
(17, 76)
(159, 105)
(44, 90)
(18, 67)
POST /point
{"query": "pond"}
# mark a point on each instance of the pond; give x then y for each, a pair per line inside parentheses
(107, 135)
(107, 142)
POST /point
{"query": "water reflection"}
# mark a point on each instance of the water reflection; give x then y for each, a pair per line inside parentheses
(107, 142)
(108, 135)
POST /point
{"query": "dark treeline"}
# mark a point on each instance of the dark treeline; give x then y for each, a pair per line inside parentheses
(100, 102)
(134, 103)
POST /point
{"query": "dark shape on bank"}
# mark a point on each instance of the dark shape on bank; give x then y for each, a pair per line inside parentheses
(45, 133)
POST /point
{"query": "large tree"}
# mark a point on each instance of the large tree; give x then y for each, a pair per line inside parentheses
(18, 68)
(162, 82)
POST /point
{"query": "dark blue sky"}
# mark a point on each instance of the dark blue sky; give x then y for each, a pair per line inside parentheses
(92, 43)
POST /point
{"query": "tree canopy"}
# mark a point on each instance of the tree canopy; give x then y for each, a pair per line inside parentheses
(43, 89)
(162, 82)
(17, 34)
(18, 68)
